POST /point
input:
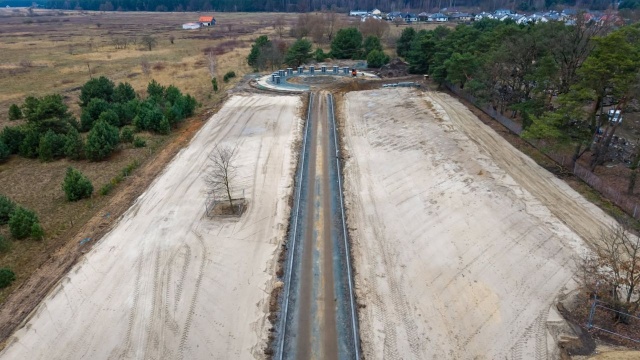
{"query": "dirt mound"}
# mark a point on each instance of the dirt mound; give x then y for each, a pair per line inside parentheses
(395, 68)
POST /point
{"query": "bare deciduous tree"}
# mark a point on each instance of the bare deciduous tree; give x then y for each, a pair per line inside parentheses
(374, 27)
(279, 25)
(332, 24)
(212, 63)
(222, 171)
(146, 67)
(615, 267)
(148, 41)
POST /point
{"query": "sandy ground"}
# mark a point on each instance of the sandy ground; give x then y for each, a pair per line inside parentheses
(168, 282)
(461, 243)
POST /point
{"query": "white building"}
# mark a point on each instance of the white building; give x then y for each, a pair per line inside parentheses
(191, 26)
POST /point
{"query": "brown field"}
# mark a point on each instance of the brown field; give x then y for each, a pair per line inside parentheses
(52, 52)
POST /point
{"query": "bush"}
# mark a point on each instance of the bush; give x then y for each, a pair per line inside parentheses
(376, 59)
(214, 83)
(403, 45)
(228, 76)
(4, 151)
(149, 117)
(256, 49)
(347, 44)
(155, 91)
(172, 94)
(76, 186)
(47, 112)
(128, 170)
(6, 209)
(100, 88)
(123, 93)
(164, 128)
(74, 145)
(36, 231)
(126, 134)
(126, 111)
(51, 146)
(13, 136)
(102, 141)
(139, 142)
(299, 53)
(6, 277)
(319, 55)
(21, 222)
(91, 113)
(372, 43)
(14, 112)
(110, 117)
(5, 244)
(106, 188)
(30, 144)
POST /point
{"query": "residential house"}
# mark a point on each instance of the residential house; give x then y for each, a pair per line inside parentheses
(409, 17)
(438, 17)
(393, 15)
(502, 12)
(483, 15)
(207, 21)
(357, 13)
(460, 17)
(423, 16)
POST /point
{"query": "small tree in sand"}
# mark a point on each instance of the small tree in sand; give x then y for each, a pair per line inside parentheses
(222, 171)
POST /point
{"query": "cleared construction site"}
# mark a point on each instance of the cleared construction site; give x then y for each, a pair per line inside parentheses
(383, 224)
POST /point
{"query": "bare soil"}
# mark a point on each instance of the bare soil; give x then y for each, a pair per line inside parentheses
(168, 275)
(461, 242)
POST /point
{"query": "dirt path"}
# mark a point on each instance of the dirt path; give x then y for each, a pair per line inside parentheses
(459, 241)
(168, 282)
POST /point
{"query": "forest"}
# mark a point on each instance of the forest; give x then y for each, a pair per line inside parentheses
(556, 79)
(318, 5)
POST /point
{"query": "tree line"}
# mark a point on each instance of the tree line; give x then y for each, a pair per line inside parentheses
(315, 5)
(110, 115)
(555, 78)
(348, 43)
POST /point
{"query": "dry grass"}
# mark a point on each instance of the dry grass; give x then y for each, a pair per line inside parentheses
(54, 55)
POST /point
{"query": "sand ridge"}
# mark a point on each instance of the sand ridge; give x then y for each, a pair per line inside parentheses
(167, 282)
(458, 246)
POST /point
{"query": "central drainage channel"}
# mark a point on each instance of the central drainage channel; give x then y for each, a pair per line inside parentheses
(318, 317)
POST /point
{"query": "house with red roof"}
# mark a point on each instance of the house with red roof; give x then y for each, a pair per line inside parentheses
(207, 20)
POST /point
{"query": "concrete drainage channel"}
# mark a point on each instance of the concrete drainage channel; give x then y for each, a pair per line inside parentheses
(318, 318)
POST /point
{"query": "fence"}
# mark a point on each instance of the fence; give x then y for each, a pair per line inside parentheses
(619, 199)
(612, 321)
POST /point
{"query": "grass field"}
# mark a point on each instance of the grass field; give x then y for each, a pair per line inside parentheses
(53, 51)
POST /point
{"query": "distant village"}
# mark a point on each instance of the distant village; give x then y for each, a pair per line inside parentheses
(568, 16)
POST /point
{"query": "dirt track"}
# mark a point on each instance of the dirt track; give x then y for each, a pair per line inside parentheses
(461, 243)
(168, 282)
